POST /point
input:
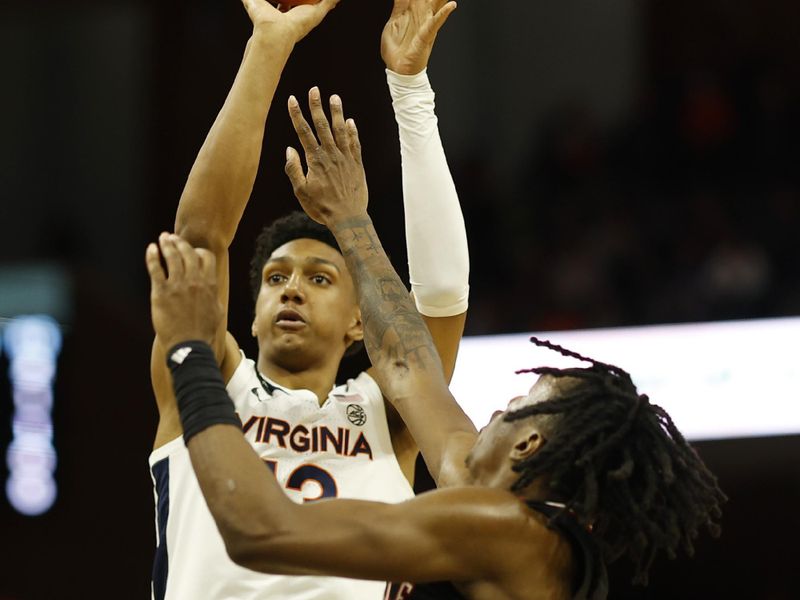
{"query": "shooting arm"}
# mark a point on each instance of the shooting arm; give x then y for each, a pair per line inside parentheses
(222, 177)
(217, 192)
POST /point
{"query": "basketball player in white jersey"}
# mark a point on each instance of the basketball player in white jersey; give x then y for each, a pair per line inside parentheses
(319, 440)
(582, 471)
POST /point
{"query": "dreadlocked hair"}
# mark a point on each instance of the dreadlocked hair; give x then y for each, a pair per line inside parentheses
(620, 466)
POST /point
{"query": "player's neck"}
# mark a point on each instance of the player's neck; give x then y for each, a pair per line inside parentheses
(318, 378)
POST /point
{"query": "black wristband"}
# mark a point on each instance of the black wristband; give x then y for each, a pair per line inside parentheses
(202, 398)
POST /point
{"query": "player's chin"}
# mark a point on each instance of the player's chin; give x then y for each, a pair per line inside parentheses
(295, 342)
(290, 340)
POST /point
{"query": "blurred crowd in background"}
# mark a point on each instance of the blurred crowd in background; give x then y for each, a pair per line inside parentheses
(688, 211)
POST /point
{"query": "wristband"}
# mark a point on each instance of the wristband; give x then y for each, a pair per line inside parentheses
(199, 388)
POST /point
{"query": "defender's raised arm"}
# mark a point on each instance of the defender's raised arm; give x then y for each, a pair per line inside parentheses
(407, 367)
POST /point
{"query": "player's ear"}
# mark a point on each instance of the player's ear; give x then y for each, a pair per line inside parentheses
(527, 444)
(254, 327)
(355, 331)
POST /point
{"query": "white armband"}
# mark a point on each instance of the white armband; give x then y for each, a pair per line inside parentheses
(436, 239)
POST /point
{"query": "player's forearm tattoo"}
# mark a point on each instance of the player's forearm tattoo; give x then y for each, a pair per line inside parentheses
(393, 329)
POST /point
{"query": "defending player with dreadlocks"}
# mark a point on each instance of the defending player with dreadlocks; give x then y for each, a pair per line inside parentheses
(620, 465)
(583, 450)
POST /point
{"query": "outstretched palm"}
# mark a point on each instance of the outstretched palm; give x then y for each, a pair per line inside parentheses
(410, 32)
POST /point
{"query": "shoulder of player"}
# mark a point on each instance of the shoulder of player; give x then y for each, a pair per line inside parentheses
(230, 356)
(492, 528)
(484, 511)
(226, 351)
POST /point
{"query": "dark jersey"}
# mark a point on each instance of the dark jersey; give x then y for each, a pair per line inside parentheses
(591, 579)
(442, 590)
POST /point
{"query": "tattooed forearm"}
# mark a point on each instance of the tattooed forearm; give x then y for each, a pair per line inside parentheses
(405, 361)
(394, 333)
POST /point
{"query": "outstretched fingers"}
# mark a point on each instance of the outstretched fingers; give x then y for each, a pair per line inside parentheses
(337, 120)
(304, 133)
(321, 124)
(152, 258)
(435, 23)
(189, 257)
(172, 258)
(207, 263)
(294, 171)
(183, 262)
(354, 143)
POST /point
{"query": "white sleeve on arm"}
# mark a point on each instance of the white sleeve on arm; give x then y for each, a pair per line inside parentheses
(438, 258)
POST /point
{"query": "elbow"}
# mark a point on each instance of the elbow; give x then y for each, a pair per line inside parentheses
(202, 235)
(441, 300)
(394, 376)
(252, 549)
(238, 547)
(257, 538)
(242, 549)
(254, 527)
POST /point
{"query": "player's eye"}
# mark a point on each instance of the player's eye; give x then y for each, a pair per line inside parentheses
(275, 278)
(320, 279)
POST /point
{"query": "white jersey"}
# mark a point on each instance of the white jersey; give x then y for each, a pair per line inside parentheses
(340, 449)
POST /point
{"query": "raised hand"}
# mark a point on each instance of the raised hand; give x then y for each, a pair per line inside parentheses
(295, 23)
(335, 186)
(183, 300)
(410, 32)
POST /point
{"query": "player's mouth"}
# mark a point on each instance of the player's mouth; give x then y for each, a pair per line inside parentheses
(290, 319)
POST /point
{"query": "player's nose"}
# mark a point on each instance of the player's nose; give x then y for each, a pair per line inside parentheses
(293, 290)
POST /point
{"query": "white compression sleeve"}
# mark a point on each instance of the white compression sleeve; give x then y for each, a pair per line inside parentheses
(436, 239)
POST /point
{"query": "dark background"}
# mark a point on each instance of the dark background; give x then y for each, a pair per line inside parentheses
(619, 163)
